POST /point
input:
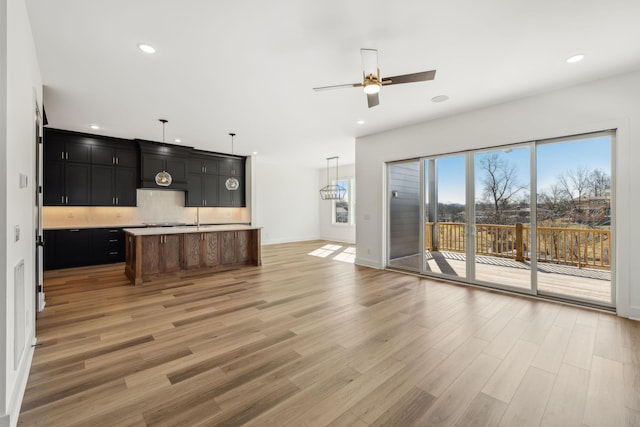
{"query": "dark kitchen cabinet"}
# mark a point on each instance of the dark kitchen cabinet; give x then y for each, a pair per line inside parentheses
(231, 198)
(107, 245)
(66, 183)
(113, 186)
(66, 248)
(155, 157)
(231, 167)
(84, 170)
(202, 188)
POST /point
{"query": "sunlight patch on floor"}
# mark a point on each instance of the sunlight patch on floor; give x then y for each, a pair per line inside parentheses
(337, 252)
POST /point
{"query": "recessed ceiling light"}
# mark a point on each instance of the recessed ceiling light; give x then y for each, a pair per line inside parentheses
(439, 98)
(360, 122)
(255, 152)
(146, 48)
(177, 140)
(575, 58)
(95, 127)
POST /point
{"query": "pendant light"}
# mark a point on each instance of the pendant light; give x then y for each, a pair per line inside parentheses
(163, 178)
(232, 182)
(332, 192)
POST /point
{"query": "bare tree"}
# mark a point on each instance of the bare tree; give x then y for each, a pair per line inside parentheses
(500, 184)
(599, 182)
(553, 202)
(575, 184)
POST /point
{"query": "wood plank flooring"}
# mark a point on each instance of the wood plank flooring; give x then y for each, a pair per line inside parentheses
(310, 341)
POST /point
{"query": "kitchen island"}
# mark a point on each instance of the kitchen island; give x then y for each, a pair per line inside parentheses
(159, 251)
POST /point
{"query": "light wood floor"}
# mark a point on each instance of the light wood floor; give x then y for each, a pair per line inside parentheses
(306, 340)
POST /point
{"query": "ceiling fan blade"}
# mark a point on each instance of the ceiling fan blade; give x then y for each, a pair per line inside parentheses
(410, 78)
(337, 86)
(369, 61)
(373, 99)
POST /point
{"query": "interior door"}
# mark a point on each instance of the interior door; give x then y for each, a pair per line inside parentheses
(39, 259)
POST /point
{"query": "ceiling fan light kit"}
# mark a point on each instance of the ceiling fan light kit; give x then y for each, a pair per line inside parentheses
(371, 81)
(329, 191)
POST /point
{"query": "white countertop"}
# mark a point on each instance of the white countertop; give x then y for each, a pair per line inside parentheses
(153, 231)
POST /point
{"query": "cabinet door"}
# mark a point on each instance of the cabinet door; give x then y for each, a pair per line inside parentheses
(125, 186)
(77, 152)
(102, 185)
(224, 195)
(151, 165)
(238, 196)
(151, 261)
(194, 190)
(107, 245)
(243, 246)
(76, 178)
(102, 155)
(195, 165)
(53, 148)
(228, 247)
(210, 166)
(73, 248)
(53, 185)
(192, 250)
(126, 158)
(210, 190)
(171, 253)
(210, 251)
(177, 167)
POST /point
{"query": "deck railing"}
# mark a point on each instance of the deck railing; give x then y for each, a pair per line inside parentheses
(570, 246)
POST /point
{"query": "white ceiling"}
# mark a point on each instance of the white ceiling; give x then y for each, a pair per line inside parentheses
(249, 66)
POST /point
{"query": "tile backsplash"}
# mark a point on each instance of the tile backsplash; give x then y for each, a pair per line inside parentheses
(153, 206)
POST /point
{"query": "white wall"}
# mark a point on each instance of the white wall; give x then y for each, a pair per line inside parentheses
(23, 90)
(286, 201)
(329, 231)
(611, 103)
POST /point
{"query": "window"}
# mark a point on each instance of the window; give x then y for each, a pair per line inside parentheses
(342, 210)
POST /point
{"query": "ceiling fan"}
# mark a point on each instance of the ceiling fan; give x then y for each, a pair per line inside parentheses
(371, 81)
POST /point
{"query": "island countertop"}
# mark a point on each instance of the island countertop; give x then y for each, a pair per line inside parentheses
(154, 231)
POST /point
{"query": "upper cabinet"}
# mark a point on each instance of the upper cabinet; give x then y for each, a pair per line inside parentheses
(157, 158)
(88, 170)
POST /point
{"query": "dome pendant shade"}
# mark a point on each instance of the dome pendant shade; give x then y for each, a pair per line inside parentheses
(332, 192)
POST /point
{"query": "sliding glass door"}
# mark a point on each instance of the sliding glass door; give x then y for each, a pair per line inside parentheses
(503, 217)
(574, 218)
(533, 217)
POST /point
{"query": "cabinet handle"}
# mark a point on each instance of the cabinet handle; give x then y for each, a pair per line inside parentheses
(117, 201)
(62, 155)
(113, 200)
(113, 240)
(113, 253)
(113, 231)
(66, 156)
(62, 199)
(75, 230)
(113, 160)
(66, 199)
(117, 160)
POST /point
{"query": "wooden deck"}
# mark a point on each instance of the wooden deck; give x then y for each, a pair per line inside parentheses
(566, 281)
(318, 341)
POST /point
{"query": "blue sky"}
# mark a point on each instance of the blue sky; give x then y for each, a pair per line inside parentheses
(553, 159)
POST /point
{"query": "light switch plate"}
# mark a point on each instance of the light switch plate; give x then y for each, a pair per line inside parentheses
(24, 181)
(17, 232)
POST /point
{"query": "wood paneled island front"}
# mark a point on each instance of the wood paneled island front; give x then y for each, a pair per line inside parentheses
(157, 251)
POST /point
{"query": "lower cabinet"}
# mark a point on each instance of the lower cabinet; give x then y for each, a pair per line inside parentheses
(161, 253)
(236, 247)
(201, 250)
(78, 247)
